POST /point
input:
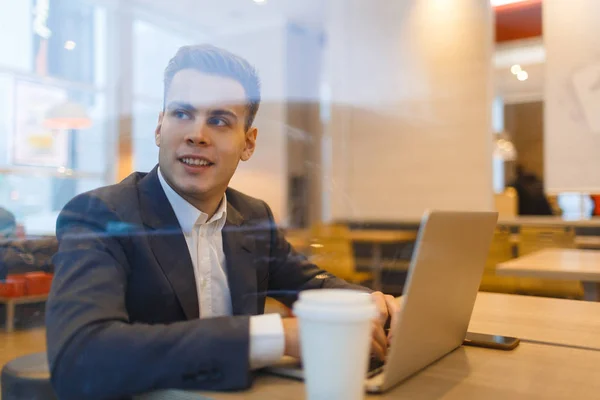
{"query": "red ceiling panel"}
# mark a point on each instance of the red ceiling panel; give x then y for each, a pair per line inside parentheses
(519, 20)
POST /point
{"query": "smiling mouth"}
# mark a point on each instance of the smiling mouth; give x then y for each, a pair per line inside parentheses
(196, 162)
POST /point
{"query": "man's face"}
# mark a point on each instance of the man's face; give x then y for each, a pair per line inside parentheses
(201, 134)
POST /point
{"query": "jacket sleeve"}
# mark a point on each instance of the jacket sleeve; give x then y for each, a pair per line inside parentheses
(291, 272)
(96, 353)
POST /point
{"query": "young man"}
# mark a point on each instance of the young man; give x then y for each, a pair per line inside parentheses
(161, 279)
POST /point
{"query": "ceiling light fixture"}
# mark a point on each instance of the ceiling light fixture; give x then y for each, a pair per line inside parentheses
(522, 76)
(67, 115)
(70, 45)
(515, 69)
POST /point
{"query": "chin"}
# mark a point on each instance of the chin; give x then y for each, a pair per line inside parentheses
(196, 190)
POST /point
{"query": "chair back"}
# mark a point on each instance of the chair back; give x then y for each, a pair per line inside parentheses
(507, 203)
(535, 238)
(331, 250)
(501, 250)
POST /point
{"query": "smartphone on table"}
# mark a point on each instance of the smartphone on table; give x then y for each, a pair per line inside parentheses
(491, 341)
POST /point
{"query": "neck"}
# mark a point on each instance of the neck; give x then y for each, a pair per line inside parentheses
(207, 205)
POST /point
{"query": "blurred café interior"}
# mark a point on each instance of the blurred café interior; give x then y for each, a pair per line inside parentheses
(373, 112)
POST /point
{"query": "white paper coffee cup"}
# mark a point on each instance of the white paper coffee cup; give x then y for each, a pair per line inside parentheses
(335, 338)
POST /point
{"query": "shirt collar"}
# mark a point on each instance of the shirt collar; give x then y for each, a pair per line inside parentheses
(187, 215)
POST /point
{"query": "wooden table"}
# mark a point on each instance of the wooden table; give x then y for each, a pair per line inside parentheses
(538, 319)
(587, 242)
(567, 264)
(378, 238)
(582, 242)
(558, 358)
(549, 220)
(531, 371)
(301, 241)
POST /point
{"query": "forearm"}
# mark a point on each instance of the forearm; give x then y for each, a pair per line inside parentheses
(113, 359)
(337, 283)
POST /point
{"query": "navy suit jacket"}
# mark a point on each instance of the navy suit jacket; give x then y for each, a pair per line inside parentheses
(122, 316)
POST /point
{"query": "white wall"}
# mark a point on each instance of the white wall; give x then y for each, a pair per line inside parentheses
(572, 115)
(16, 52)
(411, 117)
(265, 174)
(304, 69)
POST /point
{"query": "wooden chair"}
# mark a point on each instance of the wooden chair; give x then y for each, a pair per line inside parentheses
(501, 250)
(299, 239)
(507, 203)
(531, 239)
(553, 201)
(331, 250)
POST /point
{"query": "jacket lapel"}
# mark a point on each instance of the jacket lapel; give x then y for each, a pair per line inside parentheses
(168, 243)
(239, 245)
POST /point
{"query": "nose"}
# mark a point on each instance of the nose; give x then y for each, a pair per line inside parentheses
(199, 135)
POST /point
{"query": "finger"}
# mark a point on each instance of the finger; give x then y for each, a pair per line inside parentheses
(393, 309)
(378, 335)
(378, 350)
(382, 308)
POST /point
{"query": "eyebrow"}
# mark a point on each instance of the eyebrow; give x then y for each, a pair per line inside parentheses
(219, 112)
(223, 113)
(181, 105)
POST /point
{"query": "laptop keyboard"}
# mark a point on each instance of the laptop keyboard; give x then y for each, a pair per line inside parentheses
(375, 364)
(375, 367)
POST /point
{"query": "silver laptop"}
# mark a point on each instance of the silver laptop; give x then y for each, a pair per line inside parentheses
(439, 295)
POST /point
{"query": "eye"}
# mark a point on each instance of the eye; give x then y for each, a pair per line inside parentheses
(182, 114)
(218, 121)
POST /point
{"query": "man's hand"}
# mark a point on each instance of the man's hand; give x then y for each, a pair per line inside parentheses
(387, 307)
(292, 337)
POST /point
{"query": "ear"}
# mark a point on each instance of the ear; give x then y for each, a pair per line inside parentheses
(157, 131)
(250, 144)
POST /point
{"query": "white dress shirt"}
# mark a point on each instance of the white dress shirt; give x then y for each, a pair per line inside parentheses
(205, 243)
